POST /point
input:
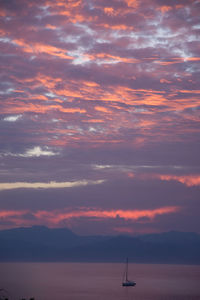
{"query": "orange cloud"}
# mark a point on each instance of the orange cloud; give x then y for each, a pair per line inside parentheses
(131, 175)
(2, 13)
(53, 218)
(49, 26)
(188, 180)
(147, 124)
(47, 81)
(109, 11)
(57, 216)
(71, 9)
(132, 3)
(110, 113)
(93, 121)
(102, 109)
(110, 57)
(69, 4)
(36, 48)
(90, 83)
(192, 58)
(166, 63)
(189, 91)
(118, 27)
(163, 80)
(164, 8)
(71, 110)
(176, 60)
(12, 213)
(38, 108)
(17, 218)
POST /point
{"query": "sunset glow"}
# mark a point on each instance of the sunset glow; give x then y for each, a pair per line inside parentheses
(55, 218)
(100, 110)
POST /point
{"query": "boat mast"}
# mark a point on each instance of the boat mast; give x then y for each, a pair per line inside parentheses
(126, 269)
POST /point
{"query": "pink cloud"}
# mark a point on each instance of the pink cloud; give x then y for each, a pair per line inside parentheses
(188, 180)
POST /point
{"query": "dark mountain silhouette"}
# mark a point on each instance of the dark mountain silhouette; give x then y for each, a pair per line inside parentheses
(39, 243)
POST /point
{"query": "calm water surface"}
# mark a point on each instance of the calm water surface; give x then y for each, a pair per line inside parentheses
(95, 281)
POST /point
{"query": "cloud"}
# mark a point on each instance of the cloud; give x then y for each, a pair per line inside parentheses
(188, 180)
(48, 185)
(42, 48)
(12, 118)
(34, 152)
(140, 173)
(57, 217)
(12, 213)
(37, 151)
(125, 214)
(108, 87)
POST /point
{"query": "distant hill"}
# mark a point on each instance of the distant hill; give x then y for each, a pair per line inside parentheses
(39, 243)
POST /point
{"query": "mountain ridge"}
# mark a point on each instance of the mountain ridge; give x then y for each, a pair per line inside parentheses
(40, 243)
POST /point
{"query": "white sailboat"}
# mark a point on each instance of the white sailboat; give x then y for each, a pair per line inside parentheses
(126, 281)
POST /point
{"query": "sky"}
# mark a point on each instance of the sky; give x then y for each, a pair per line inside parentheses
(99, 115)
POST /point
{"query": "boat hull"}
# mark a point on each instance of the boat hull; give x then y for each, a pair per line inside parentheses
(129, 283)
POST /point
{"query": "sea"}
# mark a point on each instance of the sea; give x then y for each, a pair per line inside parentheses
(98, 281)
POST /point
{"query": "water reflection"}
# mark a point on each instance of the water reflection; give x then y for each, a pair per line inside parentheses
(88, 281)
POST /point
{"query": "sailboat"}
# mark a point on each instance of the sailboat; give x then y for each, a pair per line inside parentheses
(126, 281)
